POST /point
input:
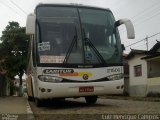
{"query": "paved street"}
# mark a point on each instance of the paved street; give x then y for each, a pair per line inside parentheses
(78, 109)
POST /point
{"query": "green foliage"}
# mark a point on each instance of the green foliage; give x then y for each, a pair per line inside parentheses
(14, 48)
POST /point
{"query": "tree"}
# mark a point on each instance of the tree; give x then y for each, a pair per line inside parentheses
(2, 80)
(14, 48)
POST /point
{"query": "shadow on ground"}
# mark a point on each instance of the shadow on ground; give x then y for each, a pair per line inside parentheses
(67, 104)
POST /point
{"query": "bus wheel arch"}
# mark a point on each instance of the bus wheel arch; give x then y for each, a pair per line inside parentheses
(30, 98)
(39, 102)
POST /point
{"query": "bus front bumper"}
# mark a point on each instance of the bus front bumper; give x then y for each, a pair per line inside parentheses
(65, 90)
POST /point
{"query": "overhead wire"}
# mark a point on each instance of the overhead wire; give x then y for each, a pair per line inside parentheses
(151, 15)
(10, 8)
(143, 44)
(18, 7)
(151, 42)
(152, 9)
(149, 18)
(144, 10)
(143, 39)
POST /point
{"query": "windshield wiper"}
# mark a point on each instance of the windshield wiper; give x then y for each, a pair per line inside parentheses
(90, 44)
(74, 41)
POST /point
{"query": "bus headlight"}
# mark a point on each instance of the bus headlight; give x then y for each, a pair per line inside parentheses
(46, 78)
(115, 77)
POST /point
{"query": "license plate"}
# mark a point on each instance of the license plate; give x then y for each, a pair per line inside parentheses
(86, 89)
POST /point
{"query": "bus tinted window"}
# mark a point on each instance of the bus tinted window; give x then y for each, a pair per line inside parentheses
(98, 26)
(60, 39)
(59, 26)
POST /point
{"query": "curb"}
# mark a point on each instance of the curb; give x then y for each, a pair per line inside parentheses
(30, 115)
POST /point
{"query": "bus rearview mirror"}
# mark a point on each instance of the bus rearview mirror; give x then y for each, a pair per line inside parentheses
(129, 27)
(30, 25)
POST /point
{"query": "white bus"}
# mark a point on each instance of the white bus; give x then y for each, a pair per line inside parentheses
(75, 51)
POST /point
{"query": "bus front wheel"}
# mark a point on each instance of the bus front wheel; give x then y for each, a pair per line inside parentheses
(38, 102)
(30, 98)
(91, 99)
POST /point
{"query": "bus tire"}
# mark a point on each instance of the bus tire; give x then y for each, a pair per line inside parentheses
(39, 103)
(91, 99)
(30, 98)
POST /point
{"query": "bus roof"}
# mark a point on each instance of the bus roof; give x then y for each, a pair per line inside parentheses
(70, 5)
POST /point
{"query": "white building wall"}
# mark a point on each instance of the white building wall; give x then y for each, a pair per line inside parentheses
(138, 85)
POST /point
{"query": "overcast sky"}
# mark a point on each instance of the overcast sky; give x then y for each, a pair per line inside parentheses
(145, 15)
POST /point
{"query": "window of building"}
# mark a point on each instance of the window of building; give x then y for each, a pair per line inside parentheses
(138, 70)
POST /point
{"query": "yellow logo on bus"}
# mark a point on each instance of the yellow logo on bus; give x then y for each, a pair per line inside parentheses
(85, 73)
(76, 74)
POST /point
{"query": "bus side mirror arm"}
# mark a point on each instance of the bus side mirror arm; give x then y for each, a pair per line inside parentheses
(129, 27)
(30, 24)
(123, 48)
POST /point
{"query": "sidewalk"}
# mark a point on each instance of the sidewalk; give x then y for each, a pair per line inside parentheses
(15, 107)
(151, 99)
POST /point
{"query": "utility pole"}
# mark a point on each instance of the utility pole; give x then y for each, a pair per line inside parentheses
(146, 42)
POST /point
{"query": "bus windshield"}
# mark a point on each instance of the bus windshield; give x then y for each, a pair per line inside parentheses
(74, 35)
